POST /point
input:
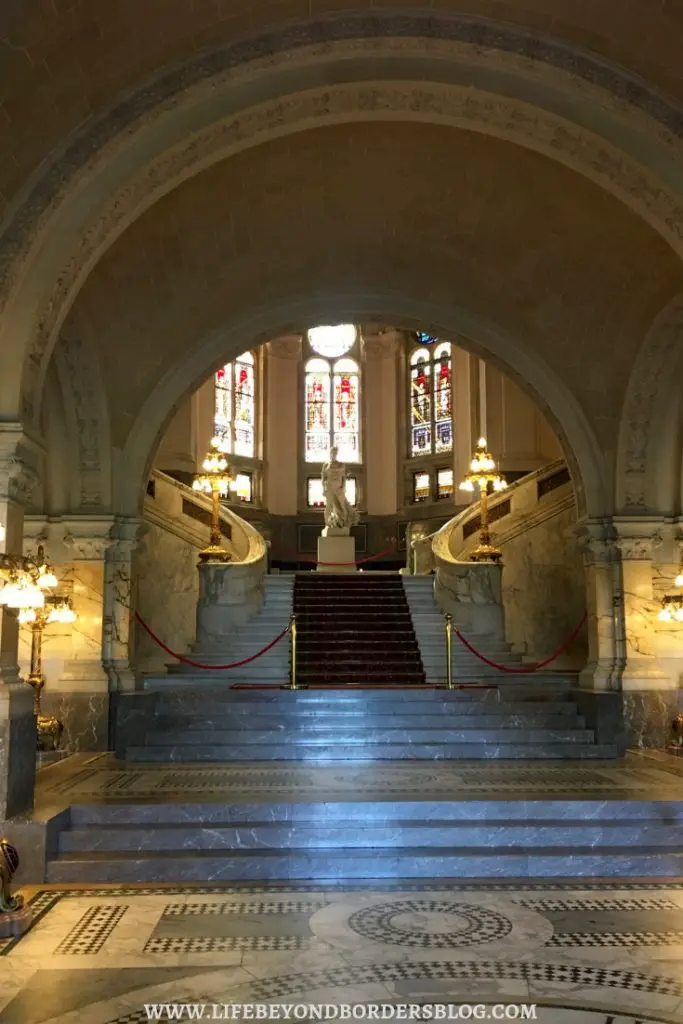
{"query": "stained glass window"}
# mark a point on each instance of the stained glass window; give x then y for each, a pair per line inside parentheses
(426, 339)
(332, 342)
(235, 406)
(318, 421)
(346, 410)
(332, 412)
(431, 399)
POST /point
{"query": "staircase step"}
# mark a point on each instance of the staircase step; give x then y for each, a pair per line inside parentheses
(333, 722)
(337, 865)
(365, 752)
(362, 735)
(310, 835)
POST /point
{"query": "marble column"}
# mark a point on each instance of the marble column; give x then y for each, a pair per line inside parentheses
(18, 479)
(650, 694)
(118, 605)
(603, 608)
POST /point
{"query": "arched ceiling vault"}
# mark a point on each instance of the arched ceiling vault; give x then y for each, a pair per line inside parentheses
(589, 275)
(354, 210)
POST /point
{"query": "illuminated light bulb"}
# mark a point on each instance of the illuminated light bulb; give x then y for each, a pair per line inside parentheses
(481, 443)
(679, 615)
(665, 615)
(466, 485)
(678, 582)
(27, 615)
(24, 597)
(46, 578)
(3, 533)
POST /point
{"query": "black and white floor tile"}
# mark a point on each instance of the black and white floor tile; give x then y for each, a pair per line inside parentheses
(583, 954)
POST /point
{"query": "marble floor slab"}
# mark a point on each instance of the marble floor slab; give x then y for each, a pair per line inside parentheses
(87, 778)
(562, 954)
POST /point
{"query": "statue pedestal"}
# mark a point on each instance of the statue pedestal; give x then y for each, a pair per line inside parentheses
(339, 548)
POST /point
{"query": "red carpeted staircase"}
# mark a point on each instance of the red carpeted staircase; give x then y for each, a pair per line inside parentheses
(355, 630)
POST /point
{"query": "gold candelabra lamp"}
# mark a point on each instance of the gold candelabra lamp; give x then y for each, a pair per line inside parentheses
(672, 604)
(27, 582)
(483, 472)
(216, 480)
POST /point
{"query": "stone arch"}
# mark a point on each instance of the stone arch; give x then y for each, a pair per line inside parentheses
(651, 429)
(615, 129)
(82, 408)
(480, 336)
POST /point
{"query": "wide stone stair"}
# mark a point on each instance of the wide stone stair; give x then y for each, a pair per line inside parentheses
(355, 630)
(213, 724)
(271, 667)
(303, 838)
(429, 627)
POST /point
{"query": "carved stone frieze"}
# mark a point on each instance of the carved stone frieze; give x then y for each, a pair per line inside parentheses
(285, 348)
(86, 407)
(19, 460)
(382, 347)
(655, 361)
(87, 549)
(639, 549)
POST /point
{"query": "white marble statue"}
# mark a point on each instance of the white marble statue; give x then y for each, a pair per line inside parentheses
(339, 515)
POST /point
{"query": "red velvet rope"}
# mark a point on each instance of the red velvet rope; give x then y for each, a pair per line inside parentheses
(294, 557)
(197, 664)
(526, 668)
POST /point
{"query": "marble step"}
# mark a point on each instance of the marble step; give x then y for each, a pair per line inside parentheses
(344, 702)
(394, 834)
(362, 734)
(365, 751)
(409, 862)
(496, 813)
(331, 722)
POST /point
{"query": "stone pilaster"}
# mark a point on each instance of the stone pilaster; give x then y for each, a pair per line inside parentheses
(637, 543)
(18, 481)
(650, 694)
(118, 605)
(77, 685)
(603, 607)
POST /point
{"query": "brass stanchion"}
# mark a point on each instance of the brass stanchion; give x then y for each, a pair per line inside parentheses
(293, 685)
(449, 651)
(293, 679)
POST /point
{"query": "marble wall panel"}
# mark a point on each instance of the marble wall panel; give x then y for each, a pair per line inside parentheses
(544, 591)
(167, 592)
(648, 716)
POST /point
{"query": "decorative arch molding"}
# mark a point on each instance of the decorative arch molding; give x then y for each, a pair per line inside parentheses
(649, 454)
(584, 457)
(536, 92)
(87, 425)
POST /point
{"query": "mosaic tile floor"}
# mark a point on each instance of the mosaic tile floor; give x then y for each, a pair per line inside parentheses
(100, 778)
(579, 954)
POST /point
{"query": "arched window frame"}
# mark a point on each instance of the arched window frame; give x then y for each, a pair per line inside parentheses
(235, 406)
(430, 397)
(330, 419)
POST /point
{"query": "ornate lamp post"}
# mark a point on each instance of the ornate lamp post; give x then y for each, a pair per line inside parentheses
(216, 480)
(482, 473)
(672, 604)
(54, 609)
(25, 582)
